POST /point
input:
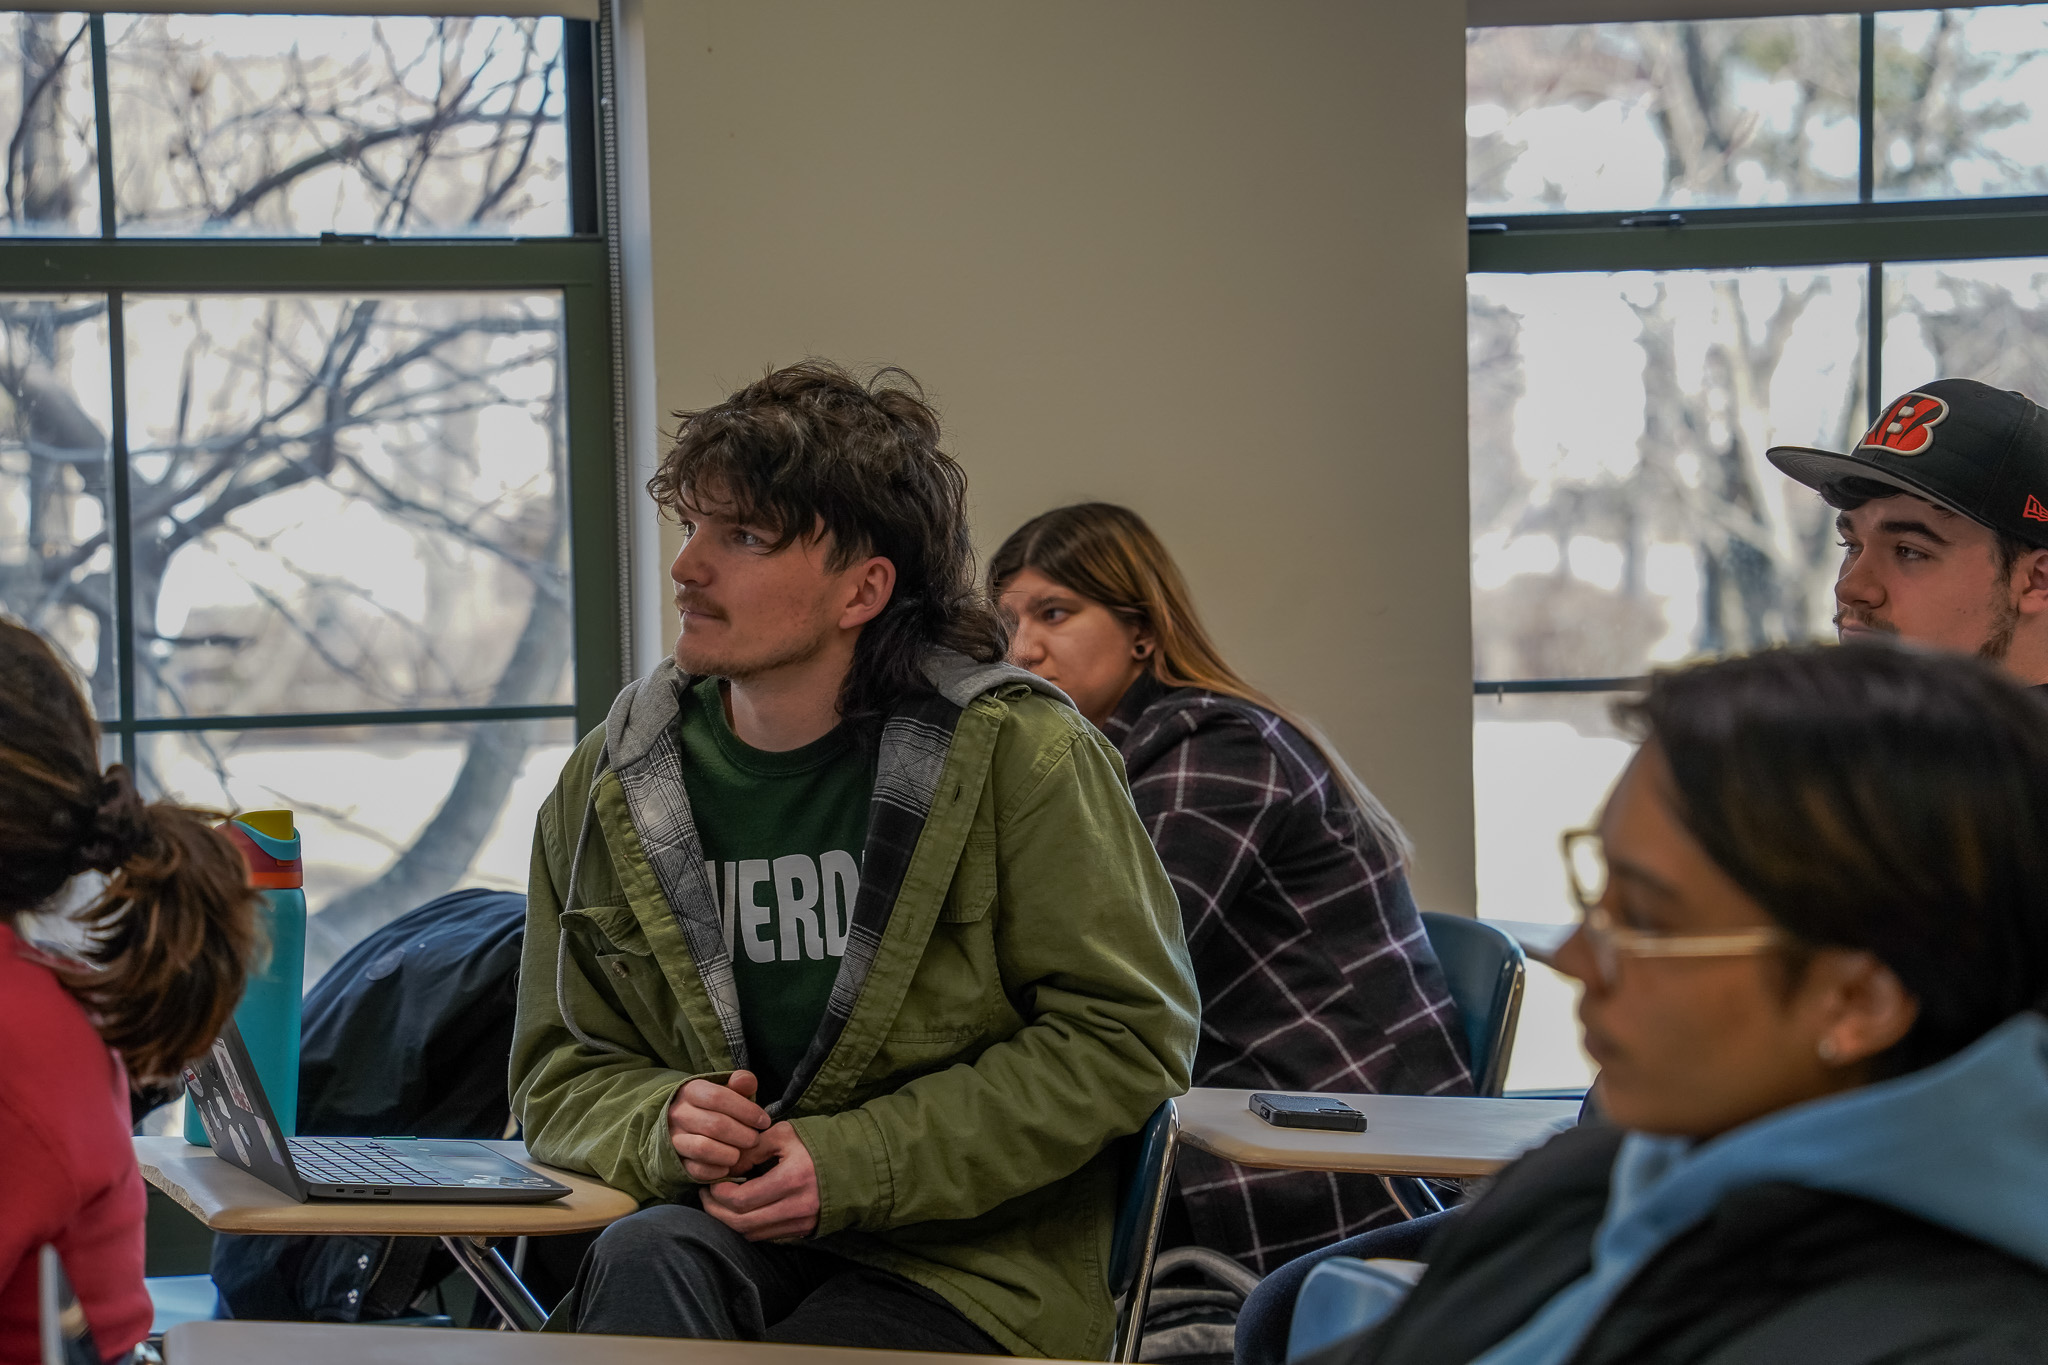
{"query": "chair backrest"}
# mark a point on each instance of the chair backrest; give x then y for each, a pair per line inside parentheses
(1144, 1153)
(1484, 969)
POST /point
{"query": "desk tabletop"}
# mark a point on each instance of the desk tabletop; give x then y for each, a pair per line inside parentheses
(1404, 1134)
(229, 1199)
(265, 1343)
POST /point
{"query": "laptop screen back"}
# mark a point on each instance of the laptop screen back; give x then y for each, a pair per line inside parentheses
(236, 1114)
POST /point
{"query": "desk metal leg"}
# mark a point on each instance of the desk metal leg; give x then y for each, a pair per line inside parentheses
(520, 1310)
(1411, 1195)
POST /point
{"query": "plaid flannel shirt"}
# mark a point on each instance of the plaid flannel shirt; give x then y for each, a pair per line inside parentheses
(1313, 966)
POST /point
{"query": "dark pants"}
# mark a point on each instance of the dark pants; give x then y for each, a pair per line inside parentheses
(675, 1271)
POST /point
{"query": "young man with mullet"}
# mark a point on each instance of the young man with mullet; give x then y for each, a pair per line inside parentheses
(846, 950)
(1944, 522)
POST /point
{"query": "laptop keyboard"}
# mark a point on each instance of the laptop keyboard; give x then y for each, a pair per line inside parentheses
(326, 1161)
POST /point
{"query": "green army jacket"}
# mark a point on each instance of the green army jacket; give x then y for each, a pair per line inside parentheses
(1030, 1000)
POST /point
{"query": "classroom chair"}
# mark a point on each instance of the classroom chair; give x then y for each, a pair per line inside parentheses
(1485, 971)
(180, 1298)
(1147, 1179)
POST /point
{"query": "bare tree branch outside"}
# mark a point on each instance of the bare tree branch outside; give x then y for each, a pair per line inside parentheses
(338, 503)
(1623, 514)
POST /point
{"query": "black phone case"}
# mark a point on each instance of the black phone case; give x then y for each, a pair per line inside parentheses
(1340, 1118)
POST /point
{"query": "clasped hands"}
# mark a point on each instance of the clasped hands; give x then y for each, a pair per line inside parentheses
(721, 1134)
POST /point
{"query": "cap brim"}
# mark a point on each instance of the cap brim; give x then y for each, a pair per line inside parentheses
(1820, 470)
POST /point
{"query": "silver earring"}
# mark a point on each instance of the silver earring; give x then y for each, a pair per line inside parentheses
(1830, 1051)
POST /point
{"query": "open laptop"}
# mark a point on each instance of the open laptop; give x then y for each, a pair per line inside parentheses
(243, 1130)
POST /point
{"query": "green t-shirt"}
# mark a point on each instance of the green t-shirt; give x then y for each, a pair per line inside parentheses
(783, 834)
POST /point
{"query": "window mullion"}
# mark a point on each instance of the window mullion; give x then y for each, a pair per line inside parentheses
(1518, 687)
(1727, 246)
(599, 601)
(248, 266)
(335, 720)
(120, 532)
(1866, 110)
(119, 536)
(103, 124)
(579, 79)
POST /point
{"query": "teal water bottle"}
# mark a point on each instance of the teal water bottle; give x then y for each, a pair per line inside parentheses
(269, 1012)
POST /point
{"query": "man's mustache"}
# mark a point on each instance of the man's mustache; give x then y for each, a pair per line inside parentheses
(696, 605)
(1862, 622)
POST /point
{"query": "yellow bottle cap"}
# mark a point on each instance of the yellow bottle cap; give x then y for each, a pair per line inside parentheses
(277, 824)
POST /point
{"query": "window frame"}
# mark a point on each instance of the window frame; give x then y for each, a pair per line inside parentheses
(581, 267)
(1869, 232)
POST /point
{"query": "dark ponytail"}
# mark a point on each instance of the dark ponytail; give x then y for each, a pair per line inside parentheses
(170, 938)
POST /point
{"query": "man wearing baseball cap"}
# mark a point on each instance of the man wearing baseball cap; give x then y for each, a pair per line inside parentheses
(1943, 513)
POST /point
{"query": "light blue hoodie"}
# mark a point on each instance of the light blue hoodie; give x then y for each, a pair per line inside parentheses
(1962, 1144)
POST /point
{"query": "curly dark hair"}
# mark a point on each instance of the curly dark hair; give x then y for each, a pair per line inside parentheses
(814, 447)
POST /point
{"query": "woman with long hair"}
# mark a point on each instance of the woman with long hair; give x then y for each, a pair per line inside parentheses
(1815, 952)
(1314, 969)
(168, 940)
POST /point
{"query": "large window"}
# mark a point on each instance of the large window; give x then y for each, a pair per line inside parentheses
(1691, 241)
(306, 441)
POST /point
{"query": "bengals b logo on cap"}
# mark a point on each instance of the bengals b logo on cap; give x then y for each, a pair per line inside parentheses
(1907, 427)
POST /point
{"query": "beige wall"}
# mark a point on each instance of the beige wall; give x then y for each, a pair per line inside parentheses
(1205, 259)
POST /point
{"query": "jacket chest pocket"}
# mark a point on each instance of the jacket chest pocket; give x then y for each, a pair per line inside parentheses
(627, 970)
(955, 994)
(974, 883)
(635, 978)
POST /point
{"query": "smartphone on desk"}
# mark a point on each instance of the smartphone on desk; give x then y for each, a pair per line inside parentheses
(1307, 1111)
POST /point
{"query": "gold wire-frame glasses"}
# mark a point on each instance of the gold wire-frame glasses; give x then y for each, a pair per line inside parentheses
(1585, 861)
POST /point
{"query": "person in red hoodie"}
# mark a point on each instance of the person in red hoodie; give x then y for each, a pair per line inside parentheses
(168, 942)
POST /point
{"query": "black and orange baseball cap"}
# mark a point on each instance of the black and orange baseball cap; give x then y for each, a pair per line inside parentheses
(1974, 449)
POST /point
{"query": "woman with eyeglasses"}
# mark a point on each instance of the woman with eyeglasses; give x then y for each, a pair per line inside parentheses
(168, 935)
(1814, 948)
